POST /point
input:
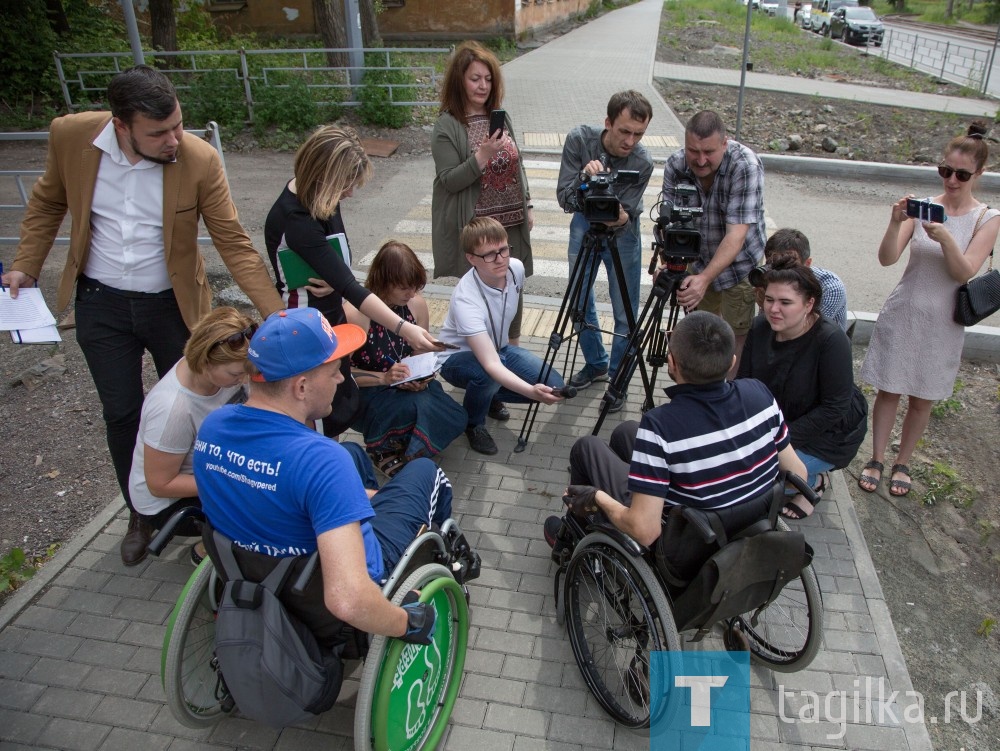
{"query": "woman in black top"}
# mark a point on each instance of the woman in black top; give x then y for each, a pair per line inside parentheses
(328, 167)
(805, 361)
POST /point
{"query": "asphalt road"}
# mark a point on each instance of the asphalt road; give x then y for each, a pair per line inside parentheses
(843, 219)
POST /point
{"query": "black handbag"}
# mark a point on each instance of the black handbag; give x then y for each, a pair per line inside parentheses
(978, 298)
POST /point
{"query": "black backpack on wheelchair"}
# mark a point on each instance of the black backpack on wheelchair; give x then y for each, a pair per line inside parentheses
(714, 576)
(272, 664)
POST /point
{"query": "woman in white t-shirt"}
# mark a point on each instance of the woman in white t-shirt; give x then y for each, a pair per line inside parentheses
(211, 374)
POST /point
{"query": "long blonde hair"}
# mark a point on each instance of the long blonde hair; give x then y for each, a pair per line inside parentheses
(329, 163)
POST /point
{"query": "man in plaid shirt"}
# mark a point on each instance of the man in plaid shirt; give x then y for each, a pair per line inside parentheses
(729, 178)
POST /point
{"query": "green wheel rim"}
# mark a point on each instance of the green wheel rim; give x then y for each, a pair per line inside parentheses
(173, 617)
(413, 687)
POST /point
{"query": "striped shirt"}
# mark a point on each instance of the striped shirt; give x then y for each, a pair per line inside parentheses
(712, 445)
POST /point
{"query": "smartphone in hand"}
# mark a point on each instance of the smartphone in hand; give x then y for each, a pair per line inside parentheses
(496, 122)
(925, 211)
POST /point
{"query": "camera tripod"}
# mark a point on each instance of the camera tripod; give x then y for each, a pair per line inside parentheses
(571, 319)
(648, 336)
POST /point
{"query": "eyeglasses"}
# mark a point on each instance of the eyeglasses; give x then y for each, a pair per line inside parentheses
(494, 255)
(235, 340)
(963, 175)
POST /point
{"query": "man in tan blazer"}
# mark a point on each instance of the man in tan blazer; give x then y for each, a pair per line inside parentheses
(135, 186)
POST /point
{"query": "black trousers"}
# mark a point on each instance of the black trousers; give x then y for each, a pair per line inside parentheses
(114, 328)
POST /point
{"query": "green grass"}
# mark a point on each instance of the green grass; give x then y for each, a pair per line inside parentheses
(951, 405)
(944, 484)
(934, 11)
(779, 46)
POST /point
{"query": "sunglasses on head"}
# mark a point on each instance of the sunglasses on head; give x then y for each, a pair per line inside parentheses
(235, 340)
(963, 175)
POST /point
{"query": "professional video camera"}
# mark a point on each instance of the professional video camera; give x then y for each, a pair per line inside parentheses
(674, 237)
(595, 198)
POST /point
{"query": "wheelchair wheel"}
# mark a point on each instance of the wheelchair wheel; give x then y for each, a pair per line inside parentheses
(195, 693)
(787, 634)
(408, 691)
(617, 614)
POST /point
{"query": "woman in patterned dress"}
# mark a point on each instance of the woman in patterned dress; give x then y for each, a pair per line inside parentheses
(404, 421)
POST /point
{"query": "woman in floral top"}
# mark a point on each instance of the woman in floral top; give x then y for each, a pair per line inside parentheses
(399, 421)
(476, 173)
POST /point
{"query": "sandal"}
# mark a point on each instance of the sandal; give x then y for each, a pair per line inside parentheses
(868, 483)
(389, 464)
(900, 487)
(798, 508)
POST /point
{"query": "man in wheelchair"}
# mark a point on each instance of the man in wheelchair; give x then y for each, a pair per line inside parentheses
(716, 445)
(278, 488)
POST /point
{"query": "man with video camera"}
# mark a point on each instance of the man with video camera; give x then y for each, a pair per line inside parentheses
(729, 179)
(606, 152)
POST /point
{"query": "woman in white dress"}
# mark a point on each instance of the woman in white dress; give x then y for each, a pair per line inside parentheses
(916, 347)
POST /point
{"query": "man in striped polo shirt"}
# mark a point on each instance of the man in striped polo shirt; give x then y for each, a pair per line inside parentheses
(716, 444)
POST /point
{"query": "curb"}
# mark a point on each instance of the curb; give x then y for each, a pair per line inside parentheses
(23, 596)
(917, 737)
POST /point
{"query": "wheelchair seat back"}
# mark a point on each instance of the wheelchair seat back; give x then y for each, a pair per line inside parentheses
(744, 576)
(719, 564)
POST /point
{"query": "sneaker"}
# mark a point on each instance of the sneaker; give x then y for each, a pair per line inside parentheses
(587, 375)
(480, 440)
(499, 411)
(617, 405)
(551, 530)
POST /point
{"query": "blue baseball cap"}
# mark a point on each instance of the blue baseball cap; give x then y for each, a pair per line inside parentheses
(290, 342)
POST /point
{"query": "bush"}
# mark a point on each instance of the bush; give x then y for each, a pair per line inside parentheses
(215, 95)
(377, 97)
(290, 106)
(28, 41)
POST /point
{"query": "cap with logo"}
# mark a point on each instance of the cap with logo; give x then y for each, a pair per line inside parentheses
(290, 342)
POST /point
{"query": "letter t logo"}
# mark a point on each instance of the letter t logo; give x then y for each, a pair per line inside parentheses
(701, 695)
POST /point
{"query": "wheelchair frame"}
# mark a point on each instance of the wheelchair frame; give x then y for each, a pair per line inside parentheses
(407, 691)
(617, 608)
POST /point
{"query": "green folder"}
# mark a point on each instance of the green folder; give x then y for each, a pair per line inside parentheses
(297, 272)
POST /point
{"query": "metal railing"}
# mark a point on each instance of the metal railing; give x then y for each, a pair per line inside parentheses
(83, 77)
(23, 179)
(947, 59)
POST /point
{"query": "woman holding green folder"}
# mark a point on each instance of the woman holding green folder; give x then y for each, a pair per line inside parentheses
(306, 218)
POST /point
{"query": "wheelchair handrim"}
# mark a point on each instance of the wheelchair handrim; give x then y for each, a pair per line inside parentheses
(175, 612)
(436, 709)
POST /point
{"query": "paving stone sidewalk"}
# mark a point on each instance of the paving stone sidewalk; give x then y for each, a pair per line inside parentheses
(79, 662)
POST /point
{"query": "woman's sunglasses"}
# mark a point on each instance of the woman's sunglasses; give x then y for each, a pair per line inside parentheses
(237, 339)
(963, 175)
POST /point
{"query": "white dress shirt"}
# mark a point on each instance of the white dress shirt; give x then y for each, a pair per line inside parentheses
(126, 221)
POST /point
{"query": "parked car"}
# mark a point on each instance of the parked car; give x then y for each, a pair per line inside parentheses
(822, 11)
(802, 16)
(857, 26)
(768, 6)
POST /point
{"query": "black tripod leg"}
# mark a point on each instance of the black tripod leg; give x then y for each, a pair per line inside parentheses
(572, 311)
(648, 338)
(609, 395)
(638, 341)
